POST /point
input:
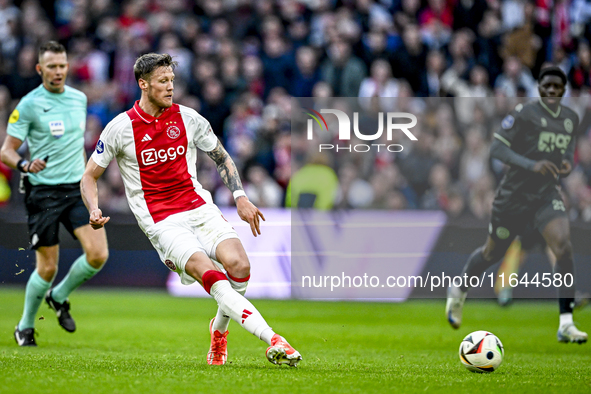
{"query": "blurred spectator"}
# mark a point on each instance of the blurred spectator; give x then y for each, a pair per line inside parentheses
(354, 191)
(272, 122)
(481, 197)
(436, 21)
(9, 42)
(261, 189)
(130, 46)
(516, 78)
(277, 64)
(240, 131)
(92, 134)
(234, 83)
(561, 32)
(391, 190)
(579, 194)
(372, 14)
(379, 84)
(282, 153)
(580, 12)
(562, 60)
(468, 13)
(408, 62)
(461, 54)
(214, 107)
(375, 46)
(5, 110)
(476, 86)
(522, 42)
(488, 43)
(322, 90)
(315, 185)
(437, 11)
(25, 78)
(204, 69)
(417, 166)
(87, 64)
(584, 158)
(307, 72)
(436, 197)
(5, 192)
(447, 147)
(298, 30)
(395, 201)
(343, 71)
(253, 74)
(513, 14)
(474, 160)
(435, 67)
(408, 14)
(580, 75)
(170, 43)
(132, 18)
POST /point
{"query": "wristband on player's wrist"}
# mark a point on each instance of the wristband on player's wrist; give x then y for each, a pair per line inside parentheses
(239, 193)
(22, 163)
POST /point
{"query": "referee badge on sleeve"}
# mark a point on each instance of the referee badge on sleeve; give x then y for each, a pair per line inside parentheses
(14, 116)
(508, 122)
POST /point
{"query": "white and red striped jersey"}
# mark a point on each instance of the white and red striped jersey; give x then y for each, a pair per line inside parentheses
(157, 157)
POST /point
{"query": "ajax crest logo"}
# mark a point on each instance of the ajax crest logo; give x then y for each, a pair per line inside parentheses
(173, 132)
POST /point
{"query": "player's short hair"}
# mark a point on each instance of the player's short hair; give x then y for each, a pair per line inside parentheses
(51, 46)
(146, 64)
(552, 70)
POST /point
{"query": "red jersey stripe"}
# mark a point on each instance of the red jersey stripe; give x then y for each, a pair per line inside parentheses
(164, 173)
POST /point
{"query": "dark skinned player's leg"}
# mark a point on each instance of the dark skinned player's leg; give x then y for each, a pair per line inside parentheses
(478, 262)
(557, 236)
(485, 256)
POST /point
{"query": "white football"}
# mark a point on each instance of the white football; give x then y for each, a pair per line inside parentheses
(481, 351)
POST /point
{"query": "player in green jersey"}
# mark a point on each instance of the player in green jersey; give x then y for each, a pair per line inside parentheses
(537, 141)
(52, 119)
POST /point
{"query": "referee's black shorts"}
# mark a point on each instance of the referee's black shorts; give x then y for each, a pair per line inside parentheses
(50, 205)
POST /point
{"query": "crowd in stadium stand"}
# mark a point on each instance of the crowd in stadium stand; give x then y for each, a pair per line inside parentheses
(241, 61)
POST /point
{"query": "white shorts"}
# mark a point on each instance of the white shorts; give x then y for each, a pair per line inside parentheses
(179, 236)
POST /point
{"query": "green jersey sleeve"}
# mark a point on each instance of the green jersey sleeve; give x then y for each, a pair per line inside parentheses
(510, 126)
(19, 122)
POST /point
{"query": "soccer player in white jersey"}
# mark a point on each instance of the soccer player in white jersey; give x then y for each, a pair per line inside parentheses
(155, 144)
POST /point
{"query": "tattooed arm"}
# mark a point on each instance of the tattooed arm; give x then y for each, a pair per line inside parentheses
(229, 173)
(226, 167)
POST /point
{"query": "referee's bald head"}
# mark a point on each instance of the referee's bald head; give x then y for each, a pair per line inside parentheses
(146, 64)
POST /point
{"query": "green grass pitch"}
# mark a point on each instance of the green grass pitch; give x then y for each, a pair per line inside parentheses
(150, 342)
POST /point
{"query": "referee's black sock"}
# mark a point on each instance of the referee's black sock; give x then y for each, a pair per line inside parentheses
(475, 266)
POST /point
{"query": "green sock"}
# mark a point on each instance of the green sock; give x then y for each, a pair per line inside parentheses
(35, 292)
(80, 272)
